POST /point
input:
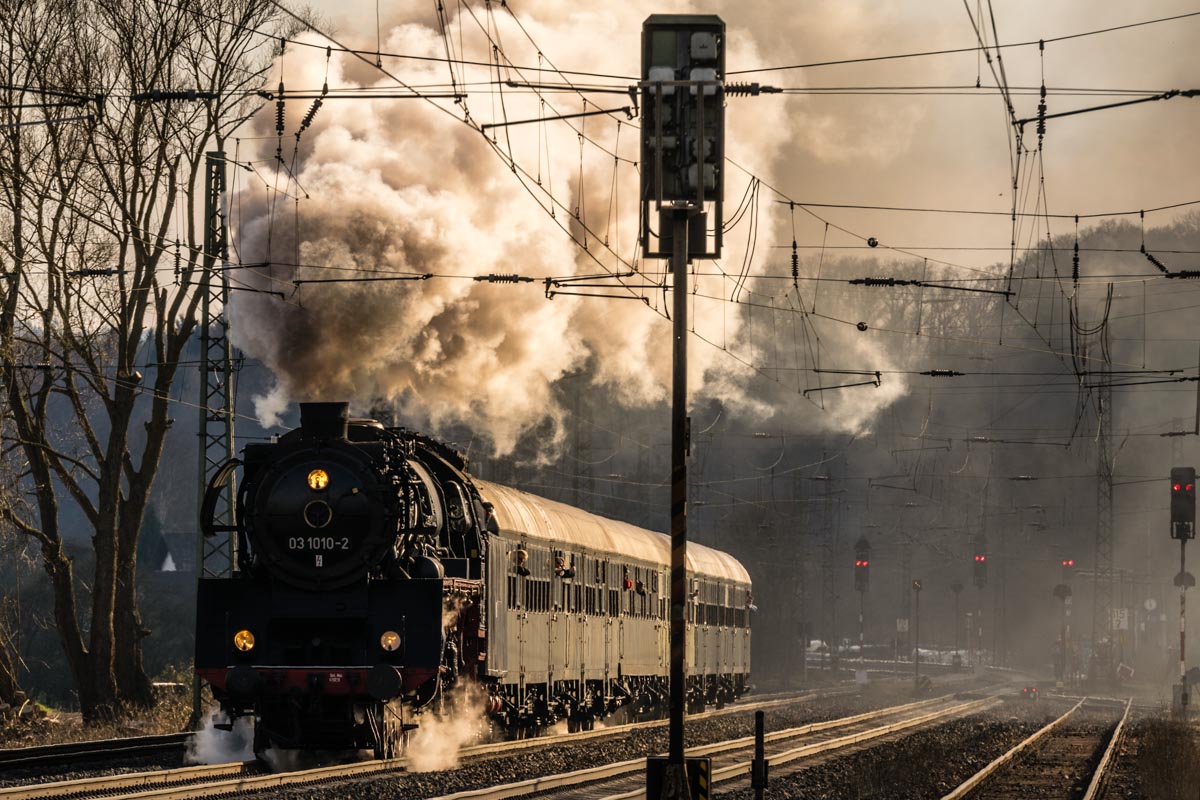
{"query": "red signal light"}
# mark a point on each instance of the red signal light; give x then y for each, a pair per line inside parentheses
(1175, 488)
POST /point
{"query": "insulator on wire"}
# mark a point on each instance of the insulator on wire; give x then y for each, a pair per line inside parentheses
(178, 269)
(1075, 258)
(308, 117)
(279, 111)
(795, 265)
(502, 278)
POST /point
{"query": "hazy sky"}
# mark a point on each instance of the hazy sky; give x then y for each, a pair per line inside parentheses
(917, 151)
(402, 185)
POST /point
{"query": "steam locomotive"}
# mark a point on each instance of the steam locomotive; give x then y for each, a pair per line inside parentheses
(375, 575)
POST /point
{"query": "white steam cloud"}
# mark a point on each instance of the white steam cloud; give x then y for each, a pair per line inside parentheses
(212, 745)
(441, 734)
(396, 188)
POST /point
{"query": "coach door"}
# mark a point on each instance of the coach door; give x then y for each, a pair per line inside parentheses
(502, 594)
(722, 629)
(521, 611)
(607, 597)
(579, 614)
(663, 614)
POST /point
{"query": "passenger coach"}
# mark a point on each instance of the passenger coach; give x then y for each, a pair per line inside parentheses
(580, 621)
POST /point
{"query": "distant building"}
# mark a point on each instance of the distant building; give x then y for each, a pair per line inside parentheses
(168, 551)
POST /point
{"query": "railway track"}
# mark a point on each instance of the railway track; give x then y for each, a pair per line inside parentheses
(74, 752)
(732, 759)
(1068, 758)
(239, 777)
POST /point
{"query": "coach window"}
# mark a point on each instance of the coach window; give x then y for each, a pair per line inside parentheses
(601, 586)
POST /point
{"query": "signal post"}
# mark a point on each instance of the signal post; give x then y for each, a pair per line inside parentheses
(862, 580)
(1183, 528)
(1063, 592)
(980, 578)
(683, 153)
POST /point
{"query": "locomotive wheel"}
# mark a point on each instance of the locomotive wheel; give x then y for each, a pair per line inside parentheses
(388, 728)
(262, 743)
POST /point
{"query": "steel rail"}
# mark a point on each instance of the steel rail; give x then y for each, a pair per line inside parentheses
(130, 780)
(1100, 775)
(973, 782)
(74, 751)
(744, 767)
(156, 782)
(623, 768)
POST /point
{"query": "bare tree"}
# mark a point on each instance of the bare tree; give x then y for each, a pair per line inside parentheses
(100, 198)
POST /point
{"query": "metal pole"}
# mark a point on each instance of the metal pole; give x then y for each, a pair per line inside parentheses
(679, 447)
(979, 630)
(216, 557)
(758, 775)
(862, 643)
(1002, 621)
(970, 642)
(956, 625)
(1063, 638)
(1183, 694)
(916, 638)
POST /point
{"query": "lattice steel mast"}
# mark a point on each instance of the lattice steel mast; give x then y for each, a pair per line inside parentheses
(216, 556)
(1102, 589)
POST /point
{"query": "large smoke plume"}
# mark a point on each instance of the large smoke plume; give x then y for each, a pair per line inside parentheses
(396, 186)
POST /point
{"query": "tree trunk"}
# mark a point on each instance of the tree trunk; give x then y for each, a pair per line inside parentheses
(132, 682)
(10, 685)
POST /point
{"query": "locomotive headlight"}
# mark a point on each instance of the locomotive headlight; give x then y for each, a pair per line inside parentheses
(243, 640)
(390, 641)
(318, 479)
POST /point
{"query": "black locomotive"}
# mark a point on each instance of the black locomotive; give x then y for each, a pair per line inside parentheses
(374, 574)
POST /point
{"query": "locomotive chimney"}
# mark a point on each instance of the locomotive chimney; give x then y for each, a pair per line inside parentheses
(324, 420)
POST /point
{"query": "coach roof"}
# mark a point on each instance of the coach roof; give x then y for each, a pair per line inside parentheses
(536, 517)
